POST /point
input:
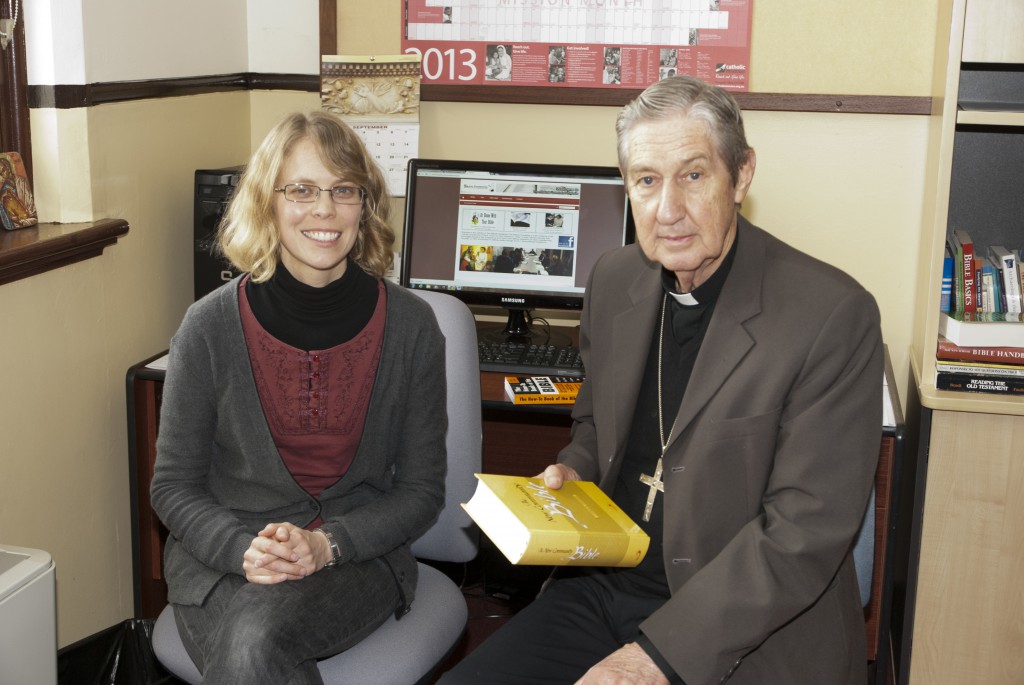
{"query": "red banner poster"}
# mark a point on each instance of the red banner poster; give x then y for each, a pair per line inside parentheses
(579, 43)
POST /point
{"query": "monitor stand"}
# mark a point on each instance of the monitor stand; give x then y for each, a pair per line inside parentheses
(518, 329)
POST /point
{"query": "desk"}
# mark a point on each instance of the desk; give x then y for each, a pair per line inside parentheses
(519, 440)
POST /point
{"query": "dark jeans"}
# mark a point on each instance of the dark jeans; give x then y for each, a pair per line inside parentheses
(554, 640)
(246, 633)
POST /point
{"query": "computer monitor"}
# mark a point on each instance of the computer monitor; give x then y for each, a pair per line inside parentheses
(513, 235)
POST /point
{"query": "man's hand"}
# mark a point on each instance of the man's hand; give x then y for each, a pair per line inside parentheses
(283, 551)
(628, 665)
(556, 474)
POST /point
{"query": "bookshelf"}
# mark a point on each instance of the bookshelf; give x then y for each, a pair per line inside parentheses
(973, 173)
(966, 574)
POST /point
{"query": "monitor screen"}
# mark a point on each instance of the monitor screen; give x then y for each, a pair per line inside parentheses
(518, 236)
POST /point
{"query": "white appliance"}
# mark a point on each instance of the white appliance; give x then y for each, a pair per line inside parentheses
(28, 617)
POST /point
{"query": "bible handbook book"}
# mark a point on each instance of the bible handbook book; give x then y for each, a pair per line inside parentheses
(576, 525)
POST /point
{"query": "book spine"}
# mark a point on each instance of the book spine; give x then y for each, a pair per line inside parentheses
(1011, 281)
(583, 549)
(988, 292)
(970, 297)
(992, 355)
(980, 369)
(946, 299)
(964, 382)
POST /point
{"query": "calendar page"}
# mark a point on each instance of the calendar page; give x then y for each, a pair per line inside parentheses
(392, 145)
(579, 43)
(379, 98)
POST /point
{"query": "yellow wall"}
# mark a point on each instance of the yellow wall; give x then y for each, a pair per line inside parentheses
(844, 187)
(69, 336)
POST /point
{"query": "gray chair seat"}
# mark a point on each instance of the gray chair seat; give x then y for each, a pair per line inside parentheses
(439, 611)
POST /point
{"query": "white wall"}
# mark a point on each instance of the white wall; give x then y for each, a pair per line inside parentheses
(99, 41)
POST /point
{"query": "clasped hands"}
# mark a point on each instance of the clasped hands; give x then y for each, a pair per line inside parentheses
(629, 665)
(283, 551)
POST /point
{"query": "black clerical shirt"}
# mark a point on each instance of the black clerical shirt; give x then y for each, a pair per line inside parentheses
(685, 326)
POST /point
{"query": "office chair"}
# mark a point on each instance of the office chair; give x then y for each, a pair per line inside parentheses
(410, 650)
(864, 552)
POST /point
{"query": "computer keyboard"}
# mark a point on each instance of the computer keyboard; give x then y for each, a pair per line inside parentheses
(533, 360)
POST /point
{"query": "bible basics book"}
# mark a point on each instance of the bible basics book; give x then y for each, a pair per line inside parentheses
(576, 525)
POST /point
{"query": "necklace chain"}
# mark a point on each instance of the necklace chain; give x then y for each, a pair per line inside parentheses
(661, 421)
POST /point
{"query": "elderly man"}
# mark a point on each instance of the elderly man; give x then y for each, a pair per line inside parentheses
(732, 407)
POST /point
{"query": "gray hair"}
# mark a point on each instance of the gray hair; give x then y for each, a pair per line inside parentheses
(688, 96)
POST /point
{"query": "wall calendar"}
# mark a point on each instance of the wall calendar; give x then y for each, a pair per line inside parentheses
(579, 43)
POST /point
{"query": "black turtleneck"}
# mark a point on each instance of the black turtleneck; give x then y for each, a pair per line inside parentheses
(311, 318)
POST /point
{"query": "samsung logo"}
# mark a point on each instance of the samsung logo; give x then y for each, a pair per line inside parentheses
(514, 300)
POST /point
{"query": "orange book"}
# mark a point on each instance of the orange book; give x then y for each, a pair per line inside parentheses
(542, 389)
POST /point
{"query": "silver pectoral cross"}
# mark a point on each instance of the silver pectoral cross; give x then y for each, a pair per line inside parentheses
(656, 485)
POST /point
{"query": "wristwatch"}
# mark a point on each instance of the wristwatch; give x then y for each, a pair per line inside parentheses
(335, 550)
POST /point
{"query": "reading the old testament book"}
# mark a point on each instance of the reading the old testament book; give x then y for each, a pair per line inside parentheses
(575, 525)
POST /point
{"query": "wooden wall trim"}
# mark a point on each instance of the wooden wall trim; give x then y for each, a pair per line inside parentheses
(328, 27)
(789, 102)
(15, 134)
(72, 96)
(26, 252)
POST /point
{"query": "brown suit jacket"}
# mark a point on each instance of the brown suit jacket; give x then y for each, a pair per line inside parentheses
(769, 470)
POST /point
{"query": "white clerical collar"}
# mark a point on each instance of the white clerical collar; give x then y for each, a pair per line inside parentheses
(684, 298)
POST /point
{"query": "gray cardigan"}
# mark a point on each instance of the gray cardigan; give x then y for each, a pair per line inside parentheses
(219, 478)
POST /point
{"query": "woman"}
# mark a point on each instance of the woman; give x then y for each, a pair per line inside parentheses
(502, 69)
(301, 444)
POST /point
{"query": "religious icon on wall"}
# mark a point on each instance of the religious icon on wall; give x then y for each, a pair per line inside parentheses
(17, 205)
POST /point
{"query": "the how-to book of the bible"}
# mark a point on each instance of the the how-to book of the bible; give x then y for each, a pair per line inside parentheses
(575, 525)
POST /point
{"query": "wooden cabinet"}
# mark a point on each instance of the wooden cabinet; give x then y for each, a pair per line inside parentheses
(974, 174)
(966, 586)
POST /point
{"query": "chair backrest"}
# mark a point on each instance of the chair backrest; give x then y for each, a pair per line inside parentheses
(454, 537)
(864, 552)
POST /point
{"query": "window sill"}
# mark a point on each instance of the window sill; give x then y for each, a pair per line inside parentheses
(26, 252)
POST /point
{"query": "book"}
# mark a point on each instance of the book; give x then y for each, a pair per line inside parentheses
(945, 299)
(1009, 268)
(967, 382)
(989, 301)
(542, 389)
(994, 355)
(982, 329)
(576, 525)
(981, 368)
(965, 272)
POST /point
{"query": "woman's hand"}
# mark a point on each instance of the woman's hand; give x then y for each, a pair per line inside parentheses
(283, 551)
(556, 474)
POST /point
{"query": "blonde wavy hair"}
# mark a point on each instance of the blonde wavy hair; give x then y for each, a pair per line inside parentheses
(248, 236)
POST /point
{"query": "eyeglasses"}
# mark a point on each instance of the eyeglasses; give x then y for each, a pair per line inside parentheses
(303, 192)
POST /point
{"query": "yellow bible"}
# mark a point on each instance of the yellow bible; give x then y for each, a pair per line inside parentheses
(576, 525)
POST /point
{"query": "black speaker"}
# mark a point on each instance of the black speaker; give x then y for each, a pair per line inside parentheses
(214, 188)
